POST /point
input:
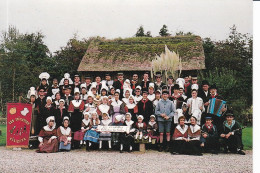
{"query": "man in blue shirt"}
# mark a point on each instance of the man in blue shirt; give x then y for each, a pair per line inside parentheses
(164, 111)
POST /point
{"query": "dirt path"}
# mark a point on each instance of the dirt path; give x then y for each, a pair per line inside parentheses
(104, 161)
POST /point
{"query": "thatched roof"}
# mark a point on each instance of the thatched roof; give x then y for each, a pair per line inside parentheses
(135, 54)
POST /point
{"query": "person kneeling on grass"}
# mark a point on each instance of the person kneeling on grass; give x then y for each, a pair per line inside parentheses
(231, 135)
(209, 136)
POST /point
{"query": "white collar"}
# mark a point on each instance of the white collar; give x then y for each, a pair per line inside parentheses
(48, 129)
(103, 108)
(130, 106)
(65, 131)
(182, 130)
(152, 123)
(106, 122)
(86, 122)
(75, 103)
(194, 128)
(129, 123)
(118, 103)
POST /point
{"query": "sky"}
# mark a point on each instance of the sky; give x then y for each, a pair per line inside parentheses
(59, 20)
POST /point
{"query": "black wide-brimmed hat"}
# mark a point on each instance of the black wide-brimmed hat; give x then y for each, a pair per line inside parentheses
(213, 86)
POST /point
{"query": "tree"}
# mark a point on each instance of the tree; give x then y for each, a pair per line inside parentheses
(68, 58)
(231, 60)
(23, 58)
(140, 32)
(148, 34)
(164, 31)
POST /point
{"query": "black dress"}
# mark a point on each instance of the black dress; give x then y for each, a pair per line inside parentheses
(59, 115)
(128, 139)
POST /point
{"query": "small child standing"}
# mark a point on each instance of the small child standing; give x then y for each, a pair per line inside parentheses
(85, 125)
(92, 135)
(105, 136)
(140, 126)
(127, 138)
(152, 129)
(116, 135)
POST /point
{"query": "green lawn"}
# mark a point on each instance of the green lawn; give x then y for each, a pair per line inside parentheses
(247, 137)
(3, 136)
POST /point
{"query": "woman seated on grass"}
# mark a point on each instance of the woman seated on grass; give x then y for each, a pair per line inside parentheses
(231, 135)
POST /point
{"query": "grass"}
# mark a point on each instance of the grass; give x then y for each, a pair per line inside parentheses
(247, 137)
(3, 136)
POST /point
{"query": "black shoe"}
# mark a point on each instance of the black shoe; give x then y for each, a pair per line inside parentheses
(160, 148)
(241, 152)
(225, 150)
(121, 151)
(214, 152)
(199, 154)
(174, 153)
(167, 149)
(109, 149)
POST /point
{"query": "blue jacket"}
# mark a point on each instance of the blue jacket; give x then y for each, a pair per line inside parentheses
(167, 107)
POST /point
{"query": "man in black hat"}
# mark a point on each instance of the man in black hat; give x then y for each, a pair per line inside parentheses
(231, 134)
(109, 81)
(145, 82)
(134, 81)
(64, 86)
(158, 83)
(170, 85)
(88, 82)
(54, 88)
(67, 96)
(213, 92)
(119, 83)
(98, 84)
(187, 83)
(76, 83)
(145, 107)
(205, 95)
(40, 103)
(194, 80)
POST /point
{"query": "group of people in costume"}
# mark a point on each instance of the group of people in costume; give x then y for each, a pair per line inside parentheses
(174, 115)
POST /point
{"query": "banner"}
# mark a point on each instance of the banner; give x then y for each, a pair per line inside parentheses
(18, 124)
(113, 128)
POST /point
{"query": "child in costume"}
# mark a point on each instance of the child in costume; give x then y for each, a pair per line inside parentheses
(64, 134)
(105, 136)
(127, 138)
(91, 136)
(140, 127)
(152, 128)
